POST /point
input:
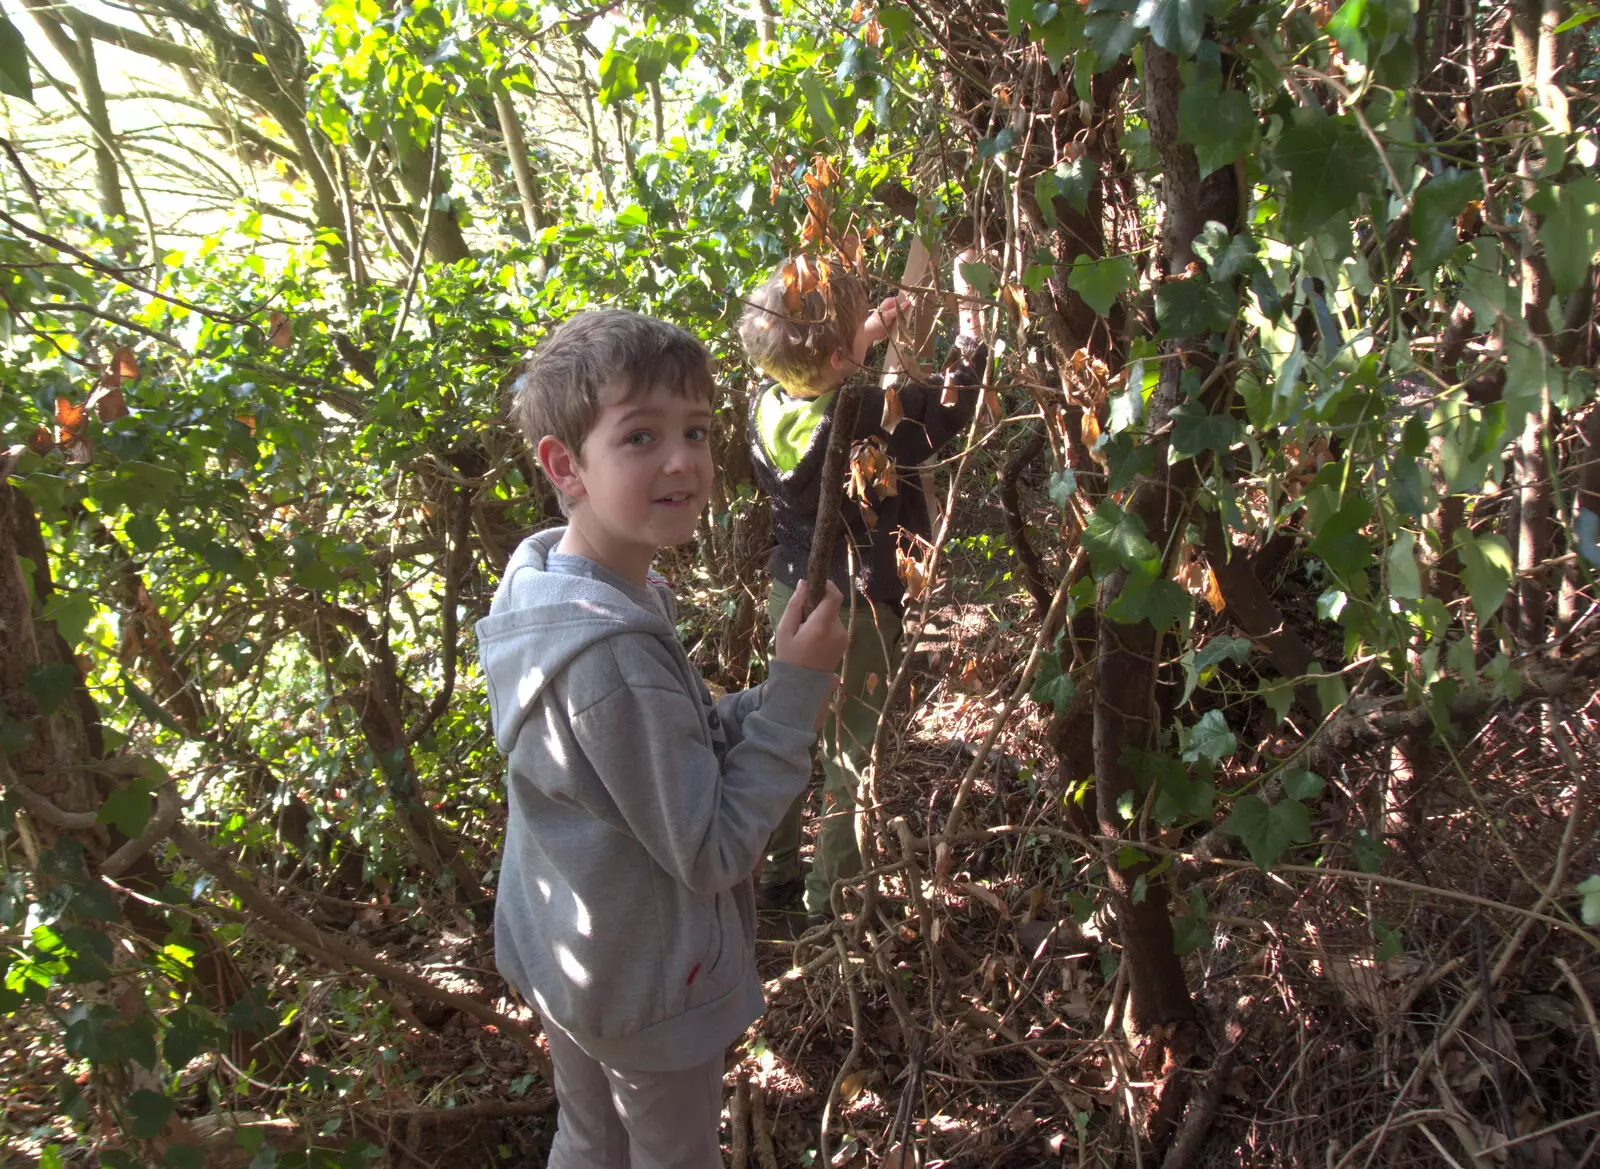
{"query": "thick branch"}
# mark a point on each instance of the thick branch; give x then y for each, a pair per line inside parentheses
(846, 409)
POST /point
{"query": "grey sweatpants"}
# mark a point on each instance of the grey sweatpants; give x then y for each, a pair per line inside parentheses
(614, 1119)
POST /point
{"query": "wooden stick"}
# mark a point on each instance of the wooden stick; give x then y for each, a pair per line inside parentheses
(830, 497)
(738, 1124)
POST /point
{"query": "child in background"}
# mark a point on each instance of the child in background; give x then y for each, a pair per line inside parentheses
(809, 350)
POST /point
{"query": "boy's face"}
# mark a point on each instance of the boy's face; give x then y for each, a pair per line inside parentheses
(640, 481)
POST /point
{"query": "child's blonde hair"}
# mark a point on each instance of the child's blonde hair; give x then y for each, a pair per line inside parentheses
(798, 318)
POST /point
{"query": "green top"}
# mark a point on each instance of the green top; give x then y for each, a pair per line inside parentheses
(785, 425)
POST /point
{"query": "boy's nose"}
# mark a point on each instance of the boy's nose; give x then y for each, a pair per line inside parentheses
(680, 458)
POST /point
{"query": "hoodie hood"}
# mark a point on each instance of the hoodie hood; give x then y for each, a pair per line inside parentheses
(570, 612)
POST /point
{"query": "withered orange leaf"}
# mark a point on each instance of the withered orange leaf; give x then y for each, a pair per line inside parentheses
(793, 297)
(1090, 429)
(42, 440)
(70, 418)
(893, 412)
(109, 404)
(280, 330)
(124, 365)
(993, 411)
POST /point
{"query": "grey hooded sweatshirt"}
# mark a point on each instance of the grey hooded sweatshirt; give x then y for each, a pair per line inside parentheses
(638, 810)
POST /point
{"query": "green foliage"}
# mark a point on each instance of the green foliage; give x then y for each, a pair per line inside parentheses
(15, 78)
(1219, 123)
(1329, 164)
(1115, 539)
(286, 492)
(1267, 830)
(1100, 282)
(1589, 906)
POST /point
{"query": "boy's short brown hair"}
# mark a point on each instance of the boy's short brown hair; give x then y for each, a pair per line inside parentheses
(796, 346)
(557, 389)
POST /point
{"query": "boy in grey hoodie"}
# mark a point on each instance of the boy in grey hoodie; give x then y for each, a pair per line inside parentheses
(638, 806)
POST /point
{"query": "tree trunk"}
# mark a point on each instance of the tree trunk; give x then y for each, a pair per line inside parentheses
(78, 52)
(427, 181)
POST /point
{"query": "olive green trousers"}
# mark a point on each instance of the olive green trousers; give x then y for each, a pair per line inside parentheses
(870, 661)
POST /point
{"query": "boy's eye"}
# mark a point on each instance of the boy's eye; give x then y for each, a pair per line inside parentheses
(698, 433)
(638, 438)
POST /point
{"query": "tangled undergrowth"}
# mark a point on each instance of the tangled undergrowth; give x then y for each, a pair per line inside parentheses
(1441, 1013)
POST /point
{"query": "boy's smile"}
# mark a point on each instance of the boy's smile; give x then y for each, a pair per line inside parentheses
(640, 481)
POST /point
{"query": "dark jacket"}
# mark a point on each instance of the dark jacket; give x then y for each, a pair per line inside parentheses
(789, 440)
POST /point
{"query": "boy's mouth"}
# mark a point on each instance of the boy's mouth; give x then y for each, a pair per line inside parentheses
(677, 498)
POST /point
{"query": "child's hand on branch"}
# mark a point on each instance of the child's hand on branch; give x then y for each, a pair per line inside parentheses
(881, 320)
(818, 641)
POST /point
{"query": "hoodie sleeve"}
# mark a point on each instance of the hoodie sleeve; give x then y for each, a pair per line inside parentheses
(703, 820)
(734, 708)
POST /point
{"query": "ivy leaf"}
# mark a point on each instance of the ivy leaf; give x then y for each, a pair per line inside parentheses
(818, 107)
(1331, 690)
(1126, 409)
(1433, 215)
(1111, 31)
(1339, 542)
(1194, 430)
(14, 77)
(72, 613)
(1406, 487)
(1225, 255)
(1186, 308)
(1405, 579)
(1300, 784)
(50, 684)
(1161, 602)
(1062, 484)
(1329, 162)
(1116, 540)
(1486, 570)
(1279, 697)
(1189, 934)
(619, 76)
(1210, 739)
(1219, 123)
(1570, 232)
(136, 484)
(1267, 830)
(145, 533)
(1197, 665)
(1100, 282)
(147, 1113)
(127, 809)
(1366, 852)
(1175, 25)
(1052, 685)
(1189, 930)
(1074, 181)
(979, 277)
(1589, 890)
(1391, 943)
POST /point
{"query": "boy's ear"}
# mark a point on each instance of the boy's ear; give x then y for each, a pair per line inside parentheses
(561, 465)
